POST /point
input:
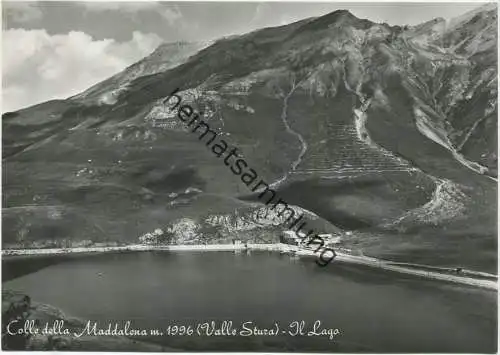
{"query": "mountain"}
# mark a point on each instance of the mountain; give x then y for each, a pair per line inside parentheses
(385, 134)
(166, 56)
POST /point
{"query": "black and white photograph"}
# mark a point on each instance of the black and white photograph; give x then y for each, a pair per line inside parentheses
(266, 177)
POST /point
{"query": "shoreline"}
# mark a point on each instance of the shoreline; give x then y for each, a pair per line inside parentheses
(275, 247)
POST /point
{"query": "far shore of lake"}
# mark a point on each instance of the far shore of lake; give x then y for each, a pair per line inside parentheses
(479, 279)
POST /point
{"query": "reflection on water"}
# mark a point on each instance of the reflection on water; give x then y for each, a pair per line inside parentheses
(375, 310)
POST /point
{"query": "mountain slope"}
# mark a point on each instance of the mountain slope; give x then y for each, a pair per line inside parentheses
(383, 132)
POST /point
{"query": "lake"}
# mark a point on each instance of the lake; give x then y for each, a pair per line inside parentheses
(374, 310)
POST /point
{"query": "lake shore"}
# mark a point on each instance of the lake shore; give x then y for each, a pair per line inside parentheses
(477, 279)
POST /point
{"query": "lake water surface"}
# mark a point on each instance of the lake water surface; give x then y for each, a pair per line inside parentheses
(374, 310)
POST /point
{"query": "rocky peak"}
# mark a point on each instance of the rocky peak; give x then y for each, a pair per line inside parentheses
(337, 18)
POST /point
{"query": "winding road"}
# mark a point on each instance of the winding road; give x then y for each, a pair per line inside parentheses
(290, 130)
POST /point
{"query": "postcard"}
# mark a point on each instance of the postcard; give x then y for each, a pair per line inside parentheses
(268, 177)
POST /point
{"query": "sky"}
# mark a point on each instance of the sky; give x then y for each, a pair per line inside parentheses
(53, 49)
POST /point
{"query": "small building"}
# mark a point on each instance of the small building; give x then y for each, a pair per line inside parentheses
(289, 237)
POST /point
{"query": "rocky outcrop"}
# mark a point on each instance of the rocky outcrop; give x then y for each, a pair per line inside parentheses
(15, 306)
(19, 307)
